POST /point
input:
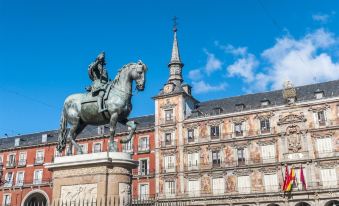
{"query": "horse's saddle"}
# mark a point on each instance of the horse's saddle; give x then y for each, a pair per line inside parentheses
(90, 97)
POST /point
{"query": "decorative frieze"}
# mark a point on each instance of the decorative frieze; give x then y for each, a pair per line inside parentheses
(167, 105)
(169, 152)
(215, 122)
(268, 170)
(319, 108)
(242, 172)
(238, 120)
(292, 119)
(262, 116)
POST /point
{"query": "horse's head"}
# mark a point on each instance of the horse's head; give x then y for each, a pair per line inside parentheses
(138, 74)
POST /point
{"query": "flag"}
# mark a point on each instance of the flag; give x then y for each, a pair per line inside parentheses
(286, 178)
(302, 178)
(290, 181)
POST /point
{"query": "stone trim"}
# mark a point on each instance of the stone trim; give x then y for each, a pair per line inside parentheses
(291, 119)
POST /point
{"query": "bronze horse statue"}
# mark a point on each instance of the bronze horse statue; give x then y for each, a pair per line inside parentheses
(81, 110)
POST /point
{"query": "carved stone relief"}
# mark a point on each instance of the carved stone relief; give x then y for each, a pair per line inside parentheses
(263, 116)
(231, 183)
(291, 119)
(229, 154)
(238, 120)
(256, 180)
(206, 184)
(294, 139)
(77, 193)
(203, 130)
(255, 153)
(124, 194)
(319, 108)
(205, 154)
(167, 105)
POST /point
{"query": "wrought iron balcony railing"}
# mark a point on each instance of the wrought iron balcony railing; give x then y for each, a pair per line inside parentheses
(22, 163)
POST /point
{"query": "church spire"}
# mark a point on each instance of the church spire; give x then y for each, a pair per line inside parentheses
(175, 64)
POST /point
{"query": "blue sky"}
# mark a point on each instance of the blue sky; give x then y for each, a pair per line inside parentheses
(229, 48)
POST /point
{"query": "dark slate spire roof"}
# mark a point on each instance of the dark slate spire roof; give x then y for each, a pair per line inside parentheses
(144, 123)
(253, 101)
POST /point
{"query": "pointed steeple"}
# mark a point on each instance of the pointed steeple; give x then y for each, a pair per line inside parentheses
(175, 64)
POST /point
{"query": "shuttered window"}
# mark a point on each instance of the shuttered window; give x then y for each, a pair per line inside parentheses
(218, 185)
(328, 178)
(193, 187)
(244, 184)
(271, 183)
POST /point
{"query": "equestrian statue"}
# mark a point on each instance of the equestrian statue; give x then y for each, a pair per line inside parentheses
(107, 102)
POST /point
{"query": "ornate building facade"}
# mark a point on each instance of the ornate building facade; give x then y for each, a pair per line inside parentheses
(234, 151)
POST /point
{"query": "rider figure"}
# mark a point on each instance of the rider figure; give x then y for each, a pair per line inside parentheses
(98, 74)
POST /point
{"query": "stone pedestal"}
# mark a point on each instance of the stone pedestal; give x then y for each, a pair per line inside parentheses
(103, 177)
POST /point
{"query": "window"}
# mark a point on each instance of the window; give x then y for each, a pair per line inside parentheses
(11, 160)
(6, 200)
(143, 191)
(268, 153)
(169, 188)
(238, 127)
(37, 179)
(321, 118)
(20, 178)
(193, 188)
(271, 183)
(22, 159)
(169, 115)
(244, 184)
(324, 146)
(190, 135)
(329, 178)
(319, 94)
(215, 132)
(169, 162)
(239, 107)
(298, 184)
(44, 138)
(216, 111)
(143, 167)
(39, 158)
(84, 148)
(168, 139)
(101, 130)
(265, 125)
(17, 142)
(265, 103)
(241, 156)
(143, 144)
(193, 160)
(127, 147)
(218, 186)
(9, 179)
(97, 147)
(216, 158)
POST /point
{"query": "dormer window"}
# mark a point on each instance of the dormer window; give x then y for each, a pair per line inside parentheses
(240, 107)
(216, 111)
(101, 130)
(319, 94)
(265, 102)
(17, 142)
(44, 138)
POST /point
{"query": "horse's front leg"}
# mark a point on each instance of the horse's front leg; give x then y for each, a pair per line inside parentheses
(113, 123)
(132, 126)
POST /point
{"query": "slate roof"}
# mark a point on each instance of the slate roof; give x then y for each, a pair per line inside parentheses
(228, 105)
(144, 123)
(253, 101)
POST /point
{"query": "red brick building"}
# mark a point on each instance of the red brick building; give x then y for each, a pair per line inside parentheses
(24, 179)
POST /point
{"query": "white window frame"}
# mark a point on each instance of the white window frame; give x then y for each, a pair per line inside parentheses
(17, 183)
(242, 187)
(169, 163)
(268, 149)
(147, 169)
(4, 203)
(141, 148)
(193, 160)
(37, 161)
(170, 188)
(37, 181)
(144, 196)
(193, 187)
(14, 159)
(9, 183)
(22, 160)
(93, 147)
(218, 188)
(271, 182)
(17, 142)
(84, 145)
(329, 178)
(321, 144)
(128, 147)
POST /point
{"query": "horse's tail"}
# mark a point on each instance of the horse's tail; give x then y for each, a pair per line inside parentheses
(62, 133)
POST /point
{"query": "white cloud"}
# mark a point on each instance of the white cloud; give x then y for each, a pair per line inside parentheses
(302, 61)
(243, 67)
(195, 74)
(203, 87)
(322, 18)
(213, 64)
(236, 51)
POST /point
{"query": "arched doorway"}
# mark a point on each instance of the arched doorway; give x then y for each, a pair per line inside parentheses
(302, 204)
(332, 203)
(35, 198)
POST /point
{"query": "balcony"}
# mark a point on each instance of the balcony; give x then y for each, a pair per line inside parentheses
(167, 121)
(170, 143)
(139, 173)
(39, 161)
(296, 156)
(8, 184)
(326, 154)
(10, 164)
(169, 168)
(22, 163)
(19, 183)
(142, 150)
